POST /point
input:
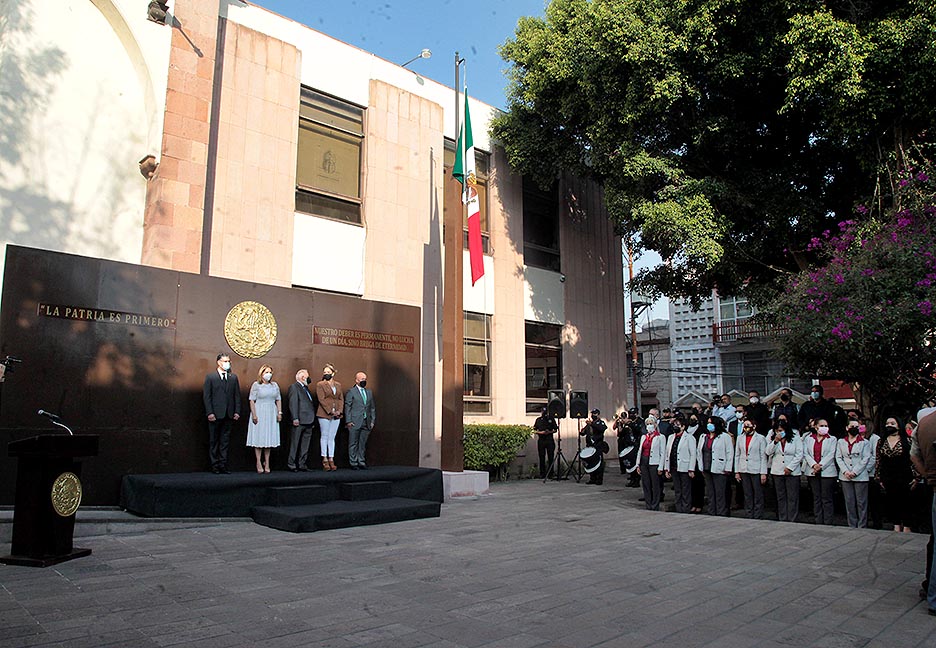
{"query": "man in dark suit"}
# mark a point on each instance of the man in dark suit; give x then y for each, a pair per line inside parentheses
(360, 414)
(222, 405)
(302, 411)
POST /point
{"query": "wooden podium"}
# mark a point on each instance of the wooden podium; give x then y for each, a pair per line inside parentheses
(48, 492)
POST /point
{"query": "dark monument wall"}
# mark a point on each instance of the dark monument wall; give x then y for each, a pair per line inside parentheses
(138, 383)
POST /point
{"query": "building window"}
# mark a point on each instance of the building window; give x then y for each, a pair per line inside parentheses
(541, 226)
(734, 309)
(328, 164)
(477, 389)
(543, 363)
(452, 198)
(757, 370)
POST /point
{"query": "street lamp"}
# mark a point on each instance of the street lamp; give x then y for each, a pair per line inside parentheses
(423, 54)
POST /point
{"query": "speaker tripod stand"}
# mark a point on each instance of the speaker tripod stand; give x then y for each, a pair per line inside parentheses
(559, 467)
(575, 466)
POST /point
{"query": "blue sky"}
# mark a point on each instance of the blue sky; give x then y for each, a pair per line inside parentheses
(398, 30)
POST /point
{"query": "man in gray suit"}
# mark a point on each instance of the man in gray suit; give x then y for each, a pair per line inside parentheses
(302, 411)
(360, 414)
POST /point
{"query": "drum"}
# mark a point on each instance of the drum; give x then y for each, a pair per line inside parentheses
(591, 459)
(628, 457)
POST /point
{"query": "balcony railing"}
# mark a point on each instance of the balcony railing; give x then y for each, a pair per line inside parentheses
(745, 330)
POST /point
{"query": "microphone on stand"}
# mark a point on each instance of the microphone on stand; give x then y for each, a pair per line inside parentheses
(55, 420)
(49, 415)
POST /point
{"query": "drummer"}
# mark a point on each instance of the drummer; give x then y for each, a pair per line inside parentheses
(594, 438)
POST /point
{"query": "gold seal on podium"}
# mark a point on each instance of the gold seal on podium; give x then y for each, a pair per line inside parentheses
(250, 329)
(66, 494)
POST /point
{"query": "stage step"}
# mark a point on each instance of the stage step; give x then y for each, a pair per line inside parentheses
(297, 495)
(365, 490)
(340, 514)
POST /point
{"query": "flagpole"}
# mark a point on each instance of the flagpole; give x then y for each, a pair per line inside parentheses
(452, 451)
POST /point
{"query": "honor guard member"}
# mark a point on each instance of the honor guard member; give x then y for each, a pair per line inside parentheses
(627, 443)
(544, 427)
(594, 438)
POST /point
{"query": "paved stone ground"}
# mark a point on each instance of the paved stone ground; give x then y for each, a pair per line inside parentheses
(560, 564)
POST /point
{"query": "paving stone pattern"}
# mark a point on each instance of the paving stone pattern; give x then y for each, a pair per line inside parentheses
(560, 564)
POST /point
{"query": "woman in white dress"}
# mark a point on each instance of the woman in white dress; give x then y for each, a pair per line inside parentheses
(266, 412)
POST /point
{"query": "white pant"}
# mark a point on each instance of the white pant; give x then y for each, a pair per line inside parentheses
(329, 428)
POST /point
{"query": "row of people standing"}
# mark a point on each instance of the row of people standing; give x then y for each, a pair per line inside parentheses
(326, 407)
(715, 457)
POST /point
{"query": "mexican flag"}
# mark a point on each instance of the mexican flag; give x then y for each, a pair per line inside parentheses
(464, 172)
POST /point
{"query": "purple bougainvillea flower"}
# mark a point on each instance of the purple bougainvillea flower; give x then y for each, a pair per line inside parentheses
(926, 307)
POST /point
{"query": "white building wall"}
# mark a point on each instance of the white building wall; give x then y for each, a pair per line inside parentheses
(82, 94)
(694, 359)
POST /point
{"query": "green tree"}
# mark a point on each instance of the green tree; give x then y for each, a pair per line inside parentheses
(724, 131)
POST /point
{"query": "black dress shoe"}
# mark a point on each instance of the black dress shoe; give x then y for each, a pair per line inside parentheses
(216, 471)
(224, 471)
(353, 467)
(293, 470)
(362, 467)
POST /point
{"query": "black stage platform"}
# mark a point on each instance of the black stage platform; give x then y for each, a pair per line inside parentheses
(238, 494)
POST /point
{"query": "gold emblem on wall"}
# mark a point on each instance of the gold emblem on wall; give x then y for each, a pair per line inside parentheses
(66, 494)
(250, 329)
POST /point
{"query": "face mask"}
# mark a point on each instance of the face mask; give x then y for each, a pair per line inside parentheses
(740, 415)
(823, 430)
(308, 380)
(326, 376)
(781, 434)
(784, 397)
(814, 395)
(754, 400)
(862, 429)
(710, 427)
(693, 422)
(890, 429)
(226, 366)
(267, 376)
(749, 431)
(853, 430)
(363, 384)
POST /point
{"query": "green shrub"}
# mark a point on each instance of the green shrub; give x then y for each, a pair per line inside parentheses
(493, 447)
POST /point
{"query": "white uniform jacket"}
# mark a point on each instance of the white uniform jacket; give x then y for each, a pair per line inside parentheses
(827, 458)
(856, 460)
(786, 455)
(751, 459)
(685, 453)
(722, 453)
(657, 450)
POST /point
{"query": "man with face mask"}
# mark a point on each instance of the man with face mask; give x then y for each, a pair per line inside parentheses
(360, 413)
(758, 412)
(222, 397)
(785, 406)
(302, 410)
(817, 407)
(594, 438)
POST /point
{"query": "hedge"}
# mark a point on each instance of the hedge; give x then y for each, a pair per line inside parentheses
(493, 447)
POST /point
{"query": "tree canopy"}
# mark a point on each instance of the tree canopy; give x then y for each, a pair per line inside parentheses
(726, 133)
